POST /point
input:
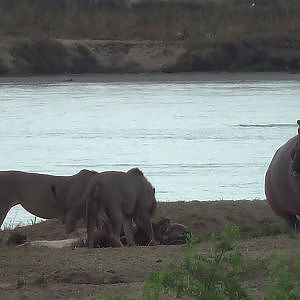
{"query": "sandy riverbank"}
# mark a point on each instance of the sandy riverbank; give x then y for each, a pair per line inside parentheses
(42, 273)
(82, 36)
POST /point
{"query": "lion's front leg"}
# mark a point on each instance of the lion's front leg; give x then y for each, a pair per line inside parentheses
(144, 220)
(128, 230)
(92, 218)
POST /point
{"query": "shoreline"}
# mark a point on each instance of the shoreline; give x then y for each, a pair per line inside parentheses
(203, 217)
(13, 222)
(190, 77)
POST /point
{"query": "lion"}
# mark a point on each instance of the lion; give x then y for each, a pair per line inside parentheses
(45, 196)
(123, 197)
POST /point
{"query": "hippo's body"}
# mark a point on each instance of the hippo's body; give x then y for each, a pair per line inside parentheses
(282, 181)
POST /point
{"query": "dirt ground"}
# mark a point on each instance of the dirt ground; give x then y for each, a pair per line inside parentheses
(28, 272)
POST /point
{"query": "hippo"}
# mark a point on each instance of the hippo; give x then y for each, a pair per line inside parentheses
(282, 181)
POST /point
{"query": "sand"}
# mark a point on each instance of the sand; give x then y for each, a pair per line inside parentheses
(42, 273)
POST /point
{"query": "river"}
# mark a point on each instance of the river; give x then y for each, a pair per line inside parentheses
(193, 140)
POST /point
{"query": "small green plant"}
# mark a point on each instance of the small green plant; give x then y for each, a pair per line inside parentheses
(284, 279)
(192, 240)
(211, 277)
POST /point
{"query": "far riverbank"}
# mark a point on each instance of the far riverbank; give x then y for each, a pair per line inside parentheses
(133, 36)
(152, 77)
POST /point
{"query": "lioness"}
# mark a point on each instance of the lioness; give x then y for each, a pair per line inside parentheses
(45, 196)
(123, 196)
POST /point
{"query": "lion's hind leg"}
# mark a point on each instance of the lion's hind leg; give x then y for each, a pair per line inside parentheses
(143, 219)
(128, 231)
(115, 217)
(91, 222)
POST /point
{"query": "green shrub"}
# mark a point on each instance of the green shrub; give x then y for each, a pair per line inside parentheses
(215, 276)
(284, 279)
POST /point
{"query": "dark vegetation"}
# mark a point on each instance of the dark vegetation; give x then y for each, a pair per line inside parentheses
(50, 56)
(204, 21)
(39, 56)
(229, 35)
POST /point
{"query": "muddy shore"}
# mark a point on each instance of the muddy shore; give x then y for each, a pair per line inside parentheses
(43, 273)
(151, 77)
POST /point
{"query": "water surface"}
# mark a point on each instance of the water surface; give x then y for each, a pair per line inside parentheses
(199, 140)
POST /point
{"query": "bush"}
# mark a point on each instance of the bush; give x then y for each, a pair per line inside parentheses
(284, 279)
(214, 277)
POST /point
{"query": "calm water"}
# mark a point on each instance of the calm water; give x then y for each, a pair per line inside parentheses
(207, 141)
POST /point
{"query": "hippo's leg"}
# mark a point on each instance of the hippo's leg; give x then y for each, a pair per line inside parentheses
(289, 217)
(292, 220)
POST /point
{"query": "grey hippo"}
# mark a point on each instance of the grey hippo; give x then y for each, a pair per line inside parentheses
(282, 181)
